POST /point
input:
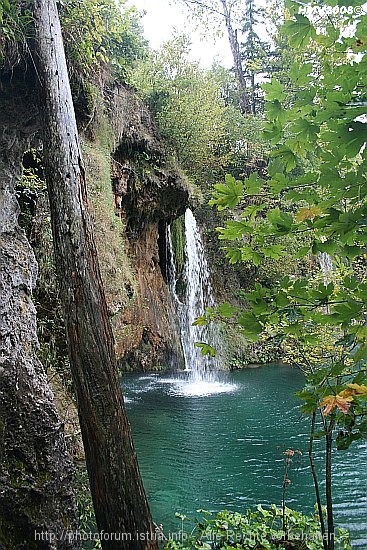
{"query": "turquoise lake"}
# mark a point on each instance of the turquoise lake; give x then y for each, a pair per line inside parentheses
(224, 450)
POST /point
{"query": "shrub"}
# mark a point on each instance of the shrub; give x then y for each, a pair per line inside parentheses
(256, 529)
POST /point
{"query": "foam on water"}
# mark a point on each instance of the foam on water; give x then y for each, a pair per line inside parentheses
(189, 387)
(202, 388)
(129, 399)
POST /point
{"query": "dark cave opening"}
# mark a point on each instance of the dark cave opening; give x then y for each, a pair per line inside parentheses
(163, 250)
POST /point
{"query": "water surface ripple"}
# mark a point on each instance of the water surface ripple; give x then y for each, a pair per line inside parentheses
(223, 450)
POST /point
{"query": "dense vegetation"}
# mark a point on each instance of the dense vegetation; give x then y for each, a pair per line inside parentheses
(309, 201)
(316, 175)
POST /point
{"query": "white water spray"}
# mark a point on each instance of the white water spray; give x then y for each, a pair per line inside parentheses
(198, 296)
(326, 266)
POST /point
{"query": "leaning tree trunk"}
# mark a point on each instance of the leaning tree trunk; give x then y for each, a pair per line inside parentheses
(118, 495)
(233, 43)
(235, 50)
(36, 502)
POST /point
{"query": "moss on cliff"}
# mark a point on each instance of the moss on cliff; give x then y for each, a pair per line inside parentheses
(116, 268)
(178, 243)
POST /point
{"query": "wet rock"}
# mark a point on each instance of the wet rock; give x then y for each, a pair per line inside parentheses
(35, 471)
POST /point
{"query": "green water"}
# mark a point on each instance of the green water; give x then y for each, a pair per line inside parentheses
(224, 451)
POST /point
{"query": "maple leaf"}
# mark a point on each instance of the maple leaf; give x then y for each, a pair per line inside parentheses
(358, 389)
(308, 213)
(338, 401)
(289, 452)
(354, 389)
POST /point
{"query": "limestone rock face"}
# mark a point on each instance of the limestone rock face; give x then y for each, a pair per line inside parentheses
(151, 193)
(35, 471)
(147, 333)
(153, 189)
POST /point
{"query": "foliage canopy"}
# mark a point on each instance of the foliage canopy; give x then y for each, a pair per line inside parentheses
(97, 34)
(315, 187)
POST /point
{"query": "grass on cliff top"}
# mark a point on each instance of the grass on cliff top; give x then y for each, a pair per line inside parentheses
(116, 270)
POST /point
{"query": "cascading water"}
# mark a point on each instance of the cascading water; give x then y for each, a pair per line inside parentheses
(326, 265)
(326, 262)
(197, 297)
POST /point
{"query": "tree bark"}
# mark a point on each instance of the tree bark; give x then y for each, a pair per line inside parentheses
(315, 480)
(235, 49)
(120, 504)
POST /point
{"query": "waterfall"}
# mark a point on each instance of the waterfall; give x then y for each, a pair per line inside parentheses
(171, 268)
(197, 297)
(326, 265)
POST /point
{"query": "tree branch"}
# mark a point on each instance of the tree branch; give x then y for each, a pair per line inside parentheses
(201, 5)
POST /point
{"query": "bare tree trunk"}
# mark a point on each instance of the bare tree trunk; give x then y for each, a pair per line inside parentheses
(235, 49)
(119, 499)
(315, 480)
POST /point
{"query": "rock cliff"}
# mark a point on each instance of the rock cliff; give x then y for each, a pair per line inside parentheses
(147, 192)
(35, 470)
(134, 192)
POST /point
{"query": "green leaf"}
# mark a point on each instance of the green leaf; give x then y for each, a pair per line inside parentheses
(300, 31)
(352, 251)
(301, 73)
(253, 184)
(249, 254)
(347, 312)
(294, 329)
(227, 310)
(328, 40)
(250, 324)
(360, 354)
(349, 138)
(206, 349)
(299, 146)
(200, 321)
(302, 252)
(281, 221)
(277, 183)
(337, 369)
(234, 230)
(228, 194)
(345, 439)
(282, 299)
(234, 255)
(274, 91)
(322, 293)
(328, 246)
(275, 252)
(350, 282)
(274, 111)
(273, 132)
(286, 156)
(306, 129)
